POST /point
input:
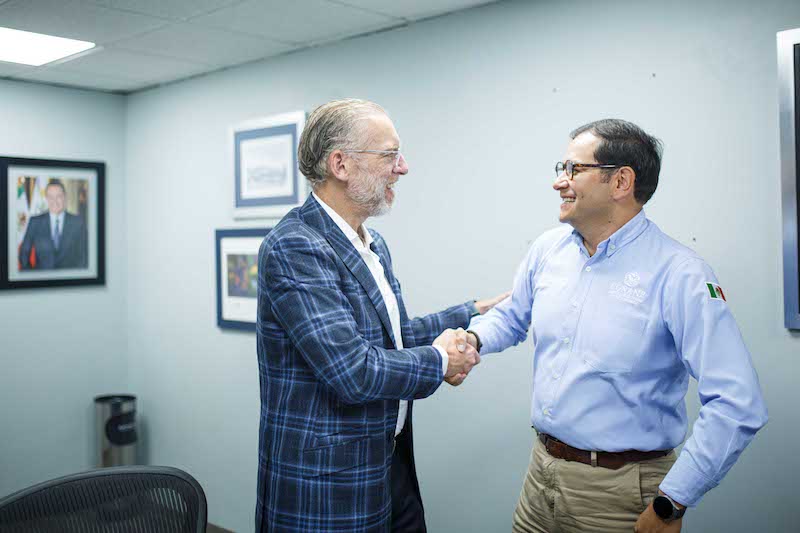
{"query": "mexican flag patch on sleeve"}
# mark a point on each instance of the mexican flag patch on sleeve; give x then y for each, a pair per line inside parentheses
(715, 292)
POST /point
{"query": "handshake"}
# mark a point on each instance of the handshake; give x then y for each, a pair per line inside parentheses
(462, 353)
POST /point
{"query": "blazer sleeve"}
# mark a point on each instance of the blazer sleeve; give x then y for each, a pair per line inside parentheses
(83, 243)
(428, 327)
(306, 297)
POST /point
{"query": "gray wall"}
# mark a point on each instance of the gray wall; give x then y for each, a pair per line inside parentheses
(60, 347)
(483, 101)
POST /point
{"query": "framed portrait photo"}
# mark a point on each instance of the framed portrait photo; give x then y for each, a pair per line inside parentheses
(789, 121)
(237, 276)
(52, 223)
(267, 180)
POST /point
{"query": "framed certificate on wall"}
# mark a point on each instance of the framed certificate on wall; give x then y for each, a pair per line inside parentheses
(267, 181)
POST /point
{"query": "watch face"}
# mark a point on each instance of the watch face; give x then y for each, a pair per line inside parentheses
(663, 507)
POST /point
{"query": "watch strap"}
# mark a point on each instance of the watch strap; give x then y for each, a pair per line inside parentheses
(478, 339)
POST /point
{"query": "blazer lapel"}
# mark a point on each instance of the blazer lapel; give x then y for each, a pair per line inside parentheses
(315, 215)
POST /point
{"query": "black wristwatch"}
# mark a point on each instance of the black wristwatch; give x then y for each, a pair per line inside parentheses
(666, 509)
(477, 340)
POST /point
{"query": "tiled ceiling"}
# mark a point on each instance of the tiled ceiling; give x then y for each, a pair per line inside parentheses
(145, 43)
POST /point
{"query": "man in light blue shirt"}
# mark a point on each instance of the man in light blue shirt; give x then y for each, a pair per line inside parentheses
(621, 315)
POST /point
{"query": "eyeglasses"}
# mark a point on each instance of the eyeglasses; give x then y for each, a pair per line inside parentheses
(396, 153)
(570, 167)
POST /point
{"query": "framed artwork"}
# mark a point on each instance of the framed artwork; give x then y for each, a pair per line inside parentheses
(237, 276)
(267, 180)
(789, 121)
(52, 223)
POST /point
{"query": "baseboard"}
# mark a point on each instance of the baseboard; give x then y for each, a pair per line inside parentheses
(211, 528)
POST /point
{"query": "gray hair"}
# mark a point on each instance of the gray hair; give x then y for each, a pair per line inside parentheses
(337, 125)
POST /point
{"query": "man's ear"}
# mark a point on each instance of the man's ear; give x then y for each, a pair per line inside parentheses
(338, 166)
(624, 182)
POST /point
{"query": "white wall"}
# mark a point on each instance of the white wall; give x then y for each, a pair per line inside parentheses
(60, 347)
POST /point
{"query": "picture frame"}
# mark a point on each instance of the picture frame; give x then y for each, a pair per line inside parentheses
(267, 182)
(789, 123)
(237, 276)
(52, 223)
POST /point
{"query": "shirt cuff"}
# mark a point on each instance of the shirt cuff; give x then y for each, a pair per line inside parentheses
(445, 359)
(488, 344)
(685, 483)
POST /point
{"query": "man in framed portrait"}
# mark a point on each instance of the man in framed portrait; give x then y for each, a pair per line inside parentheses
(55, 239)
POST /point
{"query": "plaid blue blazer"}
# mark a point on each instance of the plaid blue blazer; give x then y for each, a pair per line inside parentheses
(331, 378)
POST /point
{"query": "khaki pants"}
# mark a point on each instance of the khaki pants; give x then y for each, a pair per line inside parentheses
(566, 497)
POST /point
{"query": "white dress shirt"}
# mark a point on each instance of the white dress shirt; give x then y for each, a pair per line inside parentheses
(362, 241)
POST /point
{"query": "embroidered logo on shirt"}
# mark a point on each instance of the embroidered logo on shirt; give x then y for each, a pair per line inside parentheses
(715, 292)
(632, 279)
(628, 291)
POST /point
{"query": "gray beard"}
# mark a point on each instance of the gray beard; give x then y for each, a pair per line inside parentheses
(369, 194)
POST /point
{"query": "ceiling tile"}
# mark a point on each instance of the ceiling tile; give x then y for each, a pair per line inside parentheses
(75, 20)
(204, 45)
(134, 66)
(73, 79)
(141, 45)
(171, 9)
(300, 21)
(414, 9)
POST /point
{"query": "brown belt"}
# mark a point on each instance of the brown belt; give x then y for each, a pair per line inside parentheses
(612, 460)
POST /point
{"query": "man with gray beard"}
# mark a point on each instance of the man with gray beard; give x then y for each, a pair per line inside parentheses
(340, 362)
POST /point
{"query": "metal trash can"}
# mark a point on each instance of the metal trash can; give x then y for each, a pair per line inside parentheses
(116, 429)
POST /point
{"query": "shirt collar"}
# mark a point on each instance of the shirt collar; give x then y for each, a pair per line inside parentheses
(348, 231)
(624, 235)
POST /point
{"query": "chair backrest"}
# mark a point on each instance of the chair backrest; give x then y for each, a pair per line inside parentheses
(152, 499)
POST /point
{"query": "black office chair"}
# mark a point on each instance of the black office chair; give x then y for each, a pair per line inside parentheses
(151, 499)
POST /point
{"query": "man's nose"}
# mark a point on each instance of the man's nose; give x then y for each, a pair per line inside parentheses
(402, 166)
(561, 182)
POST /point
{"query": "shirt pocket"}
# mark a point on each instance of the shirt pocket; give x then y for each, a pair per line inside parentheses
(615, 344)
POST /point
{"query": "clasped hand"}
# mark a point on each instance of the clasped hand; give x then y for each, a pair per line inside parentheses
(461, 353)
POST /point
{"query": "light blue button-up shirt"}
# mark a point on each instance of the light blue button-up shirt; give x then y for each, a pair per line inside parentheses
(616, 337)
